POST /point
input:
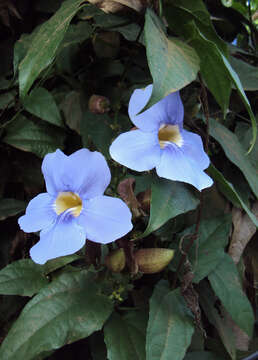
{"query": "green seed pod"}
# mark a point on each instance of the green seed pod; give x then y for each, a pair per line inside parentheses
(151, 261)
(115, 260)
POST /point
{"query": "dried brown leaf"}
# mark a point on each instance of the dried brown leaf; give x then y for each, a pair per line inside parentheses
(125, 190)
(244, 229)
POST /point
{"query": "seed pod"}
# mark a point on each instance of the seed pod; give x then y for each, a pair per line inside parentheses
(151, 261)
(98, 104)
(115, 260)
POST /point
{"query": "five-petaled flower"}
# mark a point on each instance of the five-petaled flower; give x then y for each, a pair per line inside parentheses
(160, 141)
(74, 207)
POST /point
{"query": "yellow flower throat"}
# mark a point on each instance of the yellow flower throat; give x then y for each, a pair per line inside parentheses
(169, 134)
(68, 200)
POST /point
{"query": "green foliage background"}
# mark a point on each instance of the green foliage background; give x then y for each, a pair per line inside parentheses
(55, 56)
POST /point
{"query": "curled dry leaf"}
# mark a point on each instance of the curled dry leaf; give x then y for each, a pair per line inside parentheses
(125, 190)
(137, 5)
(244, 229)
(113, 6)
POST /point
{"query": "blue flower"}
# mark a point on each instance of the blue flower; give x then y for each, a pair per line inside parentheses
(74, 207)
(161, 142)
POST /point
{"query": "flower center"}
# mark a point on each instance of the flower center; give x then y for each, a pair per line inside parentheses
(68, 200)
(169, 134)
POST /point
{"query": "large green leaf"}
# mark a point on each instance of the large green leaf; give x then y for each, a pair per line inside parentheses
(41, 103)
(168, 199)
(225, 282)
(96, 127)
(247, 73)
(188, 19)
(243, 96)
(54, 264)
(211, 63)
(181, 12)
(28, 135)
(125, 336)
(77, 33)
(68, 309)
(208, 249)
(45, 43)
(173, 64)
(203, 39)
(170, 325)
(208, 303)
(11, 207)
(202, 355)
(229, 191)
(22, 277)
(235, 152)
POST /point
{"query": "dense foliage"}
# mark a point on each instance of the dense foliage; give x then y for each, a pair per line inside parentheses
(183, 283)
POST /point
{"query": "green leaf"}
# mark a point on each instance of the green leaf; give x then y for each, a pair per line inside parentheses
(7, 99)
(22, 277)
(225, 282)
(11, 207)
(96, 128)
(26, 135)
(68, 309)
(71, 107)
(170, 325)
(208, 303)
(228, 190)
(247, 73)
(192, 21)
(235, 152)
(243, 96)
(45, 44)
(173, 64)
(54, 264)
(182, 12)
(168, 199)
(210, 59)
(41, 103)
(77, 33)
(125, 336)
(208, 249)
(202, 355)
(21, 47)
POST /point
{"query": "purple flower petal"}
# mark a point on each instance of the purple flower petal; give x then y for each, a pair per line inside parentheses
(105, 219)
(84, 172)
(87, 173)
(64, 238)
(136, 150)
(179, 166)
(53, 168)
(193, 148)
(169, 110)
(39, 214)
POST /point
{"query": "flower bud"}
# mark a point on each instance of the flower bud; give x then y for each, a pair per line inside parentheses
(151, 261)
(98, 104)
(115, 260)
